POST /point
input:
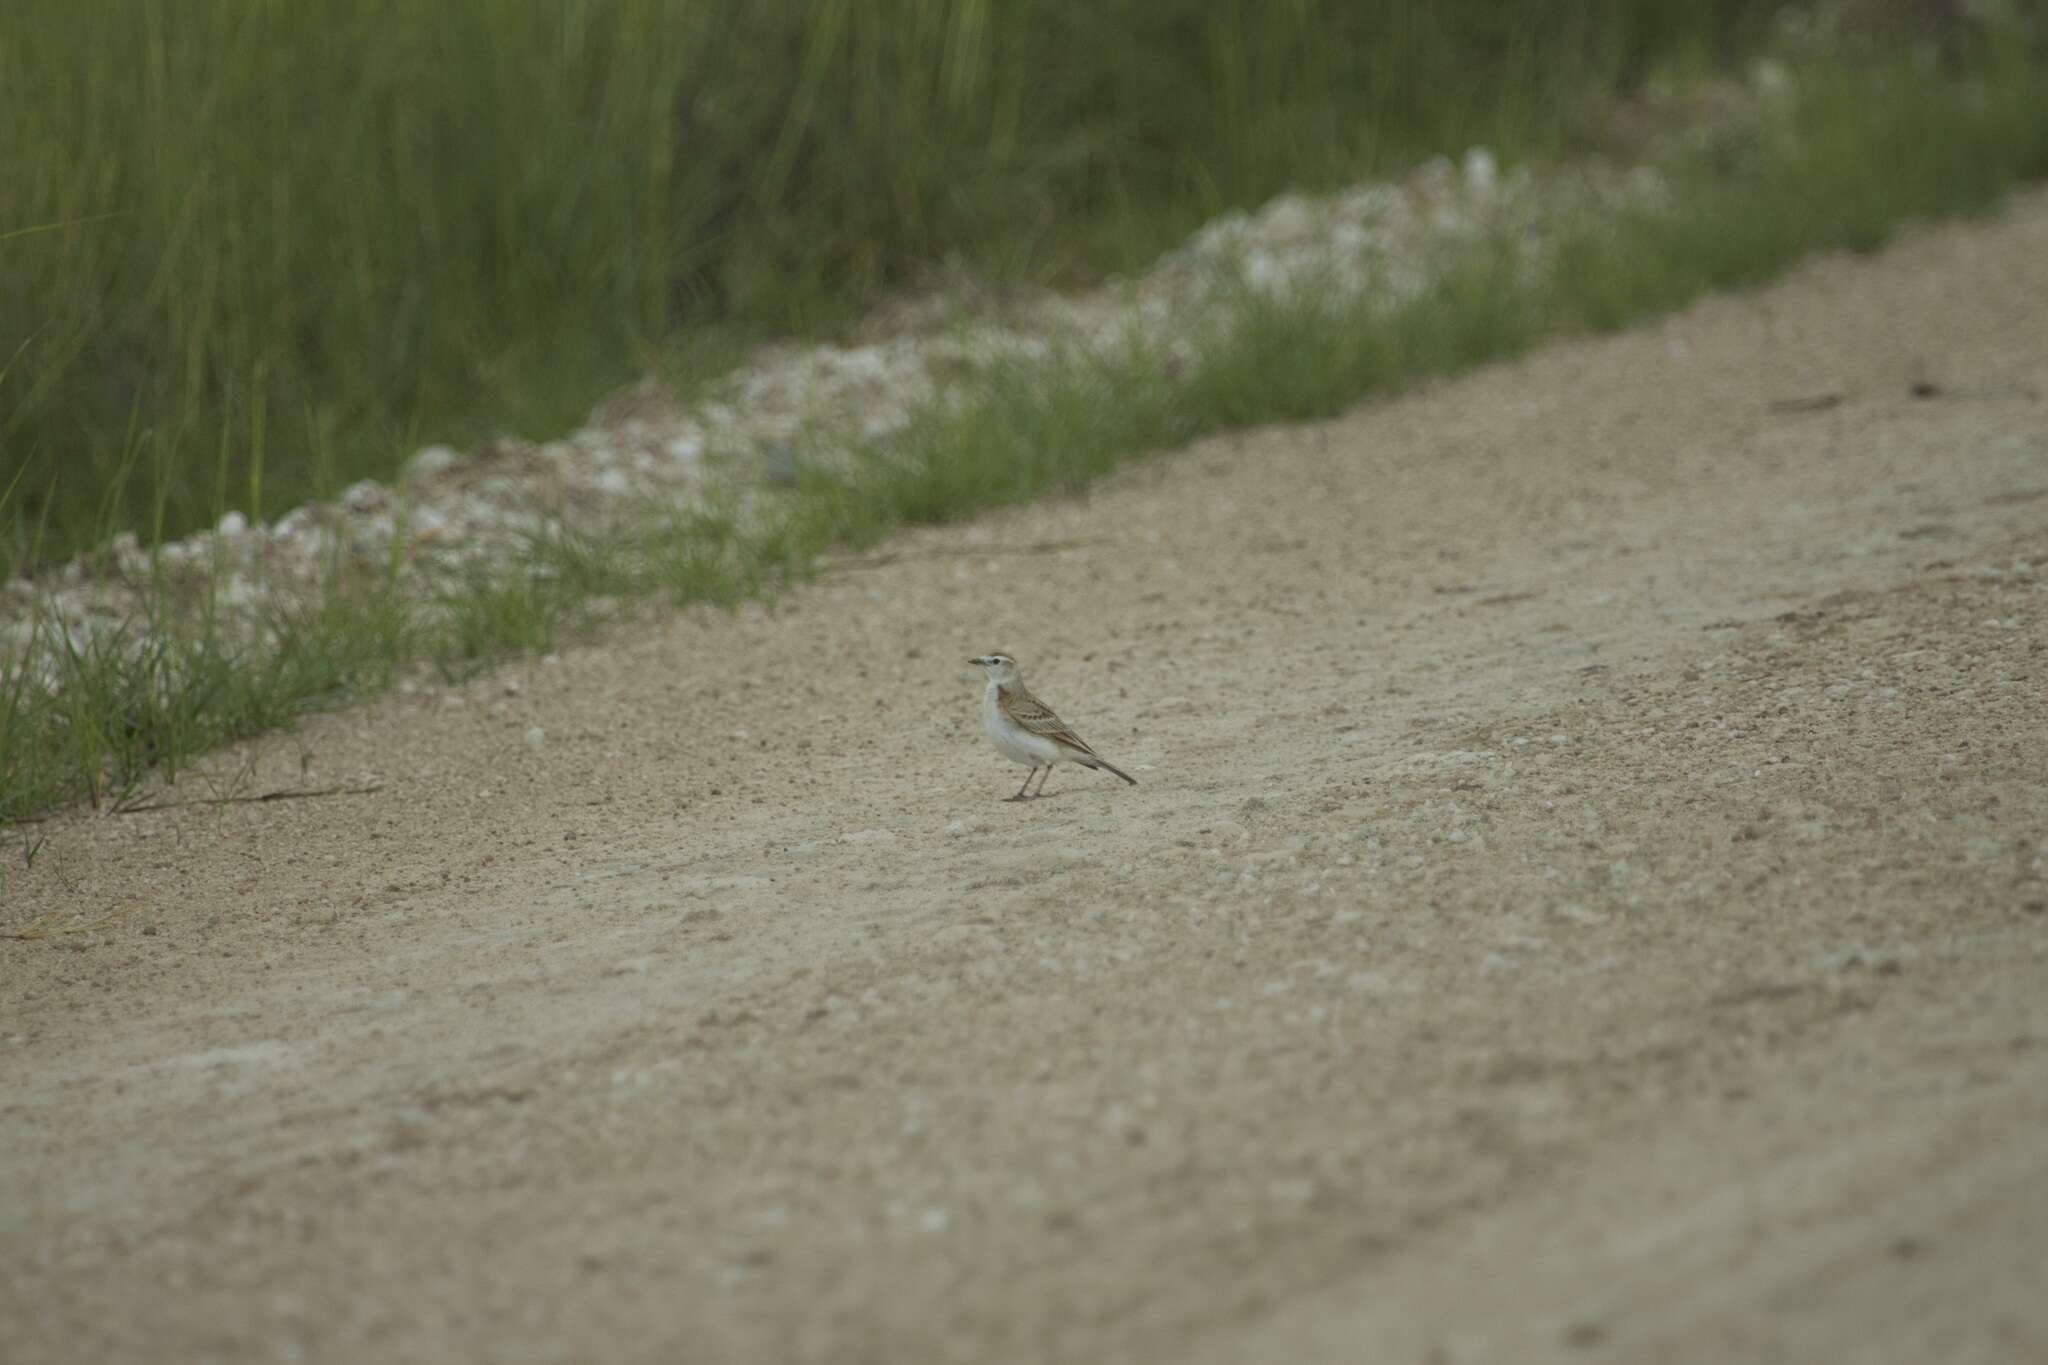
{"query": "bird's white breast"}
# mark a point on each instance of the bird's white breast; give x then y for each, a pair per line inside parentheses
(1013, 741)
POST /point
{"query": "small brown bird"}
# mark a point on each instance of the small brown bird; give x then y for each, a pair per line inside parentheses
(1025, 730)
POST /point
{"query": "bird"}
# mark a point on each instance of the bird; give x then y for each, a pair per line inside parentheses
(1025, 730)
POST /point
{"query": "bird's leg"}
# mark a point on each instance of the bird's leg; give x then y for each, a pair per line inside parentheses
(1044, 779)
(1027, 782)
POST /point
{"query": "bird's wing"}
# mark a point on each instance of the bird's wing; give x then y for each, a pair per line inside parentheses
(1035, 716)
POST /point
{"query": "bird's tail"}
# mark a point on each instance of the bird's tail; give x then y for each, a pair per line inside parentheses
(1105, 763)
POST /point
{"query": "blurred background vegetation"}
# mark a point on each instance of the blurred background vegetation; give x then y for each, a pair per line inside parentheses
(252, 251)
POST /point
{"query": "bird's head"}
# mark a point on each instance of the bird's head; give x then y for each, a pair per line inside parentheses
(1001, 668)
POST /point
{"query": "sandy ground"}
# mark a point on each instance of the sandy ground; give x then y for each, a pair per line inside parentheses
(1587, 898)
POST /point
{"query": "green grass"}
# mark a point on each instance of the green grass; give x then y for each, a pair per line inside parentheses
(1865, 149)
(234, 236)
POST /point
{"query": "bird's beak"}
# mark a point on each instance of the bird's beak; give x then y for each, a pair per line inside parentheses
(977, 662)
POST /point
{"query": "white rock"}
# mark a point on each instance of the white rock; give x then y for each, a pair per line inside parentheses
(365, 495)
(1351, 239)
(233, 524)
(535, 737)
(1287, 219)
(1482, 173)
(431, 460)
(1264, 272)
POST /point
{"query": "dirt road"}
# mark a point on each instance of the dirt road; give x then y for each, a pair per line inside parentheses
(1587, 898)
